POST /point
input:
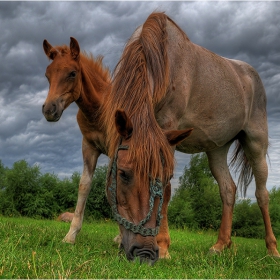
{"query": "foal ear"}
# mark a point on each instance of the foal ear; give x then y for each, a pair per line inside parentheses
(174, 137)
(49, 50)
(74, 48)
(123, 124)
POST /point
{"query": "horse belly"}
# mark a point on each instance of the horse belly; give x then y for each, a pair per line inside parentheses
(209, 133)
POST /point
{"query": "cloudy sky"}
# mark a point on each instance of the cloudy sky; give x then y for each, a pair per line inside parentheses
(249, 31)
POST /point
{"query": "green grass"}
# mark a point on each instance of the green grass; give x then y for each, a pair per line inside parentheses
(33, 249)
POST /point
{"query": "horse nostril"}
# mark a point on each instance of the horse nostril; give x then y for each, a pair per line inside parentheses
(149, 256)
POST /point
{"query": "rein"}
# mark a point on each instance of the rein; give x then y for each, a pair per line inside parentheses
(156, 189)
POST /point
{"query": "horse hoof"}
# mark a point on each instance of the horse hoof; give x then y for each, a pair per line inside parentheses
(165, 255)
(118, 239)
(67, 240)
(213, 251)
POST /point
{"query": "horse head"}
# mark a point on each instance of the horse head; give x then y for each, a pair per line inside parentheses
(136, 203)
(64, 76)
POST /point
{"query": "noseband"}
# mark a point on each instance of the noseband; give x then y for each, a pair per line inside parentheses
(156, 189)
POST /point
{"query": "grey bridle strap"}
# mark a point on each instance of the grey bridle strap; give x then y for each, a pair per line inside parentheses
(156, 189)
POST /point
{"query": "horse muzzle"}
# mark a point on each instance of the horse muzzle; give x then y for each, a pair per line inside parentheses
(146, 255)
(51, 112)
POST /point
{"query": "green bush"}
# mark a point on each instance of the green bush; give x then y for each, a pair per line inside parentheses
(247, 220)
(98, 206)
(25, 191)
(197, 202)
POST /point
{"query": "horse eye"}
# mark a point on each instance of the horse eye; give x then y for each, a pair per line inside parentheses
(124, 176)
(72, 74)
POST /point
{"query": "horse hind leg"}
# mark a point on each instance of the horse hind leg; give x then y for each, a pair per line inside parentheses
(255, 149)
(218, 165)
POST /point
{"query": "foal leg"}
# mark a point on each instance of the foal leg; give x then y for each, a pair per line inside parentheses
(219, 168)
(90, 156)
(163, 237)
(255, 149)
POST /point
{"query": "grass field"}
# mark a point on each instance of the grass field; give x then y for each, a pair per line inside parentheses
(33, 249)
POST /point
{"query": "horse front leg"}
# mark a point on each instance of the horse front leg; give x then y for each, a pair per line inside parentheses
(90, 156)
(163, 237)
(219, 168)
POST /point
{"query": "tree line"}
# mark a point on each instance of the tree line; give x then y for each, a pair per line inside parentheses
(196, 204)
(25, 191)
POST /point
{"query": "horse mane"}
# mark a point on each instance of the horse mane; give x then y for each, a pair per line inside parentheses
(141, 79)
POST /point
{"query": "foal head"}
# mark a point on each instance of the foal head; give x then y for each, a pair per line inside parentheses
(64, 76)
(136, 197)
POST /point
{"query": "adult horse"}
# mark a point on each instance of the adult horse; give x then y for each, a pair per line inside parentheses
(78, 77)
(164, 79)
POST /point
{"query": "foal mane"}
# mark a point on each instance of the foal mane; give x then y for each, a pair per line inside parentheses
(140, 82)
(95, 69)
(93, 66)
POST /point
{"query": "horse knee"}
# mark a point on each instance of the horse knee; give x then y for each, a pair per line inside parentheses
(262, 197)
(228, 195)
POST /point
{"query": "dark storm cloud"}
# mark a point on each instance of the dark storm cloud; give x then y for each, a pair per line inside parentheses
(249, 31)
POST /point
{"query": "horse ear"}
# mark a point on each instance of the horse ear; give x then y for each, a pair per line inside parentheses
(174, 137)
(123, 124)
(49, 51)
(74, 48)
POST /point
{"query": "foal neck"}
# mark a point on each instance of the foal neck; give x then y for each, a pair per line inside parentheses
(96, 84)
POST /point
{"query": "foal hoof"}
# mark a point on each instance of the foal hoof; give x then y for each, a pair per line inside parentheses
(273, 253)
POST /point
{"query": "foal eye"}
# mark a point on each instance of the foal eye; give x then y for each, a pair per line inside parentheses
(72, 74)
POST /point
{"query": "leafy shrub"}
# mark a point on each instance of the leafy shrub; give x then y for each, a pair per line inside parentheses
(24, 191)
(197, 201)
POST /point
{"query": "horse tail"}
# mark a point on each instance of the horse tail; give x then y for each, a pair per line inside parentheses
(240, 163)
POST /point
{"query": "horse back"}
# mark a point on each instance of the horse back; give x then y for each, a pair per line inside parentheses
(207, 92)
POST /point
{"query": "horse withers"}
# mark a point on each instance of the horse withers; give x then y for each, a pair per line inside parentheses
(163, 81)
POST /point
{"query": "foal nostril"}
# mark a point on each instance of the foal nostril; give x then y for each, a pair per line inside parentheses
(49, 109)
